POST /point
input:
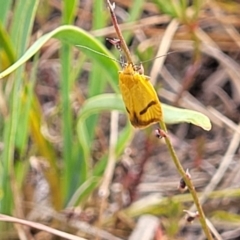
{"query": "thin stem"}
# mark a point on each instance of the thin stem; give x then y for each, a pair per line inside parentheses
(118, 31)
(188, 182)
(163, 126)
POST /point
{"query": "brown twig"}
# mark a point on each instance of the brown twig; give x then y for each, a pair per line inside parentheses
(39, 226)
(119, 34)
(188, 182)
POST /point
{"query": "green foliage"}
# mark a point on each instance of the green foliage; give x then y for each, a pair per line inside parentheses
(78, 177)
(173, 211)
(5, 7)
(226, 216)
(20, 30)
(178, 9)
(169, 7)
(172, 115)
(74, 36)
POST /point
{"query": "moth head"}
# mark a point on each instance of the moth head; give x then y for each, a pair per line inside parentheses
(139, 68)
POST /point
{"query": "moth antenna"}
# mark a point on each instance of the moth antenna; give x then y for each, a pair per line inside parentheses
(159, 56)
(117, 43)
(99, 53)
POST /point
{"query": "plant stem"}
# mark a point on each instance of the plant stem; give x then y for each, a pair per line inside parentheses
(119, 34)
(163, 126)
(188, 182)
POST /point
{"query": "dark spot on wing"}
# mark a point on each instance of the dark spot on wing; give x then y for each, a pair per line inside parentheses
(136, 122)
(147, 107)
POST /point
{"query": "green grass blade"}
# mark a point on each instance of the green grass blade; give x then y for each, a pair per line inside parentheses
(124, 138)
(21, 27)
(82, 192)
(70, 165)
(25, 10)
(134, 14)
(6, 46)
(74, 36)
(4, 10)
(26, 102)
(167, 7)
(69, 11)
(172, 115)
(67, 121)
(97, 81)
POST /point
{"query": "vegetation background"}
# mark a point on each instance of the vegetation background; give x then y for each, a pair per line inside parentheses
(59, 130)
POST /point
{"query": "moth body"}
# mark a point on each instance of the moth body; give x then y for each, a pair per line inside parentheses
(140, 98)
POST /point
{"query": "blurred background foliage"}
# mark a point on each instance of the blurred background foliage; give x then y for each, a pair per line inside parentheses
(54, 157)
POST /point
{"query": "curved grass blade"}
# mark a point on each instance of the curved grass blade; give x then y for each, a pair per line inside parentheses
(172, 115)
(108, 102)
(92, 106)
(10, 197)
(73, 36)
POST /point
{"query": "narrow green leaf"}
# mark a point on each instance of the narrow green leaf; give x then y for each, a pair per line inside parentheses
(124, 138)
(96, 81)
(226, 216)
(21, 27)
(134, 14)
(103, 102)
(74, 36)
(85, 189)
(172, 115)
(108, 102)
(24, 10)
(167, 7)
(69, 11)
(25, 107)
(67, 121)
(99, 19)
(6, 46)
(4, 10)
(70, 165)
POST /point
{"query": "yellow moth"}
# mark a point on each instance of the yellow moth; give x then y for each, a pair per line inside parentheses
(140, 98)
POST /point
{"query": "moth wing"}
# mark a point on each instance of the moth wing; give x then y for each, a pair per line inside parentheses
(141, 100)
(148, 107)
